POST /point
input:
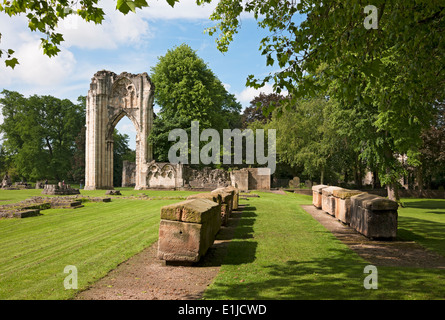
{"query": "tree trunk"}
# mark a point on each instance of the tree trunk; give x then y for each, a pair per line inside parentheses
(393, 191)
(392, 187)
(419, 179)
(322, 176)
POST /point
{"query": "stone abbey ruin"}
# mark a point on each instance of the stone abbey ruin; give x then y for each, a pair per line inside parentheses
(110, 98)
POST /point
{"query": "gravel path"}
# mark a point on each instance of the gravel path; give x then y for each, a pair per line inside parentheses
(145, 277)
(379, 253)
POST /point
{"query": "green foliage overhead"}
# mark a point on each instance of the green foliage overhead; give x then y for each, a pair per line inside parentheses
(392, 74)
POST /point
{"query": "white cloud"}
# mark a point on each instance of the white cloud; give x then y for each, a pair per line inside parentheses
(249, 93)
(227, 86)
(34, 67)
(116, 29)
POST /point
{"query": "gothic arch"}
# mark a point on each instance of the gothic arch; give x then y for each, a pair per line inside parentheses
(110, 98)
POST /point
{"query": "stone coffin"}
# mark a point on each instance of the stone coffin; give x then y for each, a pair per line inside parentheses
(316, 195)
(343, 203)
(226, 204)
(188, 229)
(374, 216)
(215, 197)
(328, 200)
(235, 196)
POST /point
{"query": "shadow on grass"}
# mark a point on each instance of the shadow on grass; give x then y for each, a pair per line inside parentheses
(430, 234)
(426, 204)
(336, 277)
(235, 237)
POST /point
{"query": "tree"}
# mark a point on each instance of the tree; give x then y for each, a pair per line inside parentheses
(393, 69)
(431, 168)
(259, 108)
(39, 134)
(307, 137)
(121, 152)
(187, 90)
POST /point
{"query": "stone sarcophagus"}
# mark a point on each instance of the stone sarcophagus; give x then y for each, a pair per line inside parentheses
(343, 203)
(235, 200)
(215, 197)
(226, 203)
(188, 229)
(328, 200)
(317, 196)
(374, 216)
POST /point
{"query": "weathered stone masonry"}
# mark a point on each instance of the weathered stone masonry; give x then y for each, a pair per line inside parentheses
(371, 215)
(110, 98)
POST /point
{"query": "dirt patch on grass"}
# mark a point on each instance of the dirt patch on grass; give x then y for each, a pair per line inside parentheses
(380, 253)
(145, 277)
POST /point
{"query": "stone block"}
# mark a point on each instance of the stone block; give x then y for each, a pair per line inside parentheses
(113, 193)
(328, 200)
(343, 203)
(215, 197)
(226, 204)
(193, 211)
(26, 213)
(187, 229)
(374, 216)
(317, 196)
(235, 200)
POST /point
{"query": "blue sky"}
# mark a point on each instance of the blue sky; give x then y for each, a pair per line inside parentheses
(130, 43)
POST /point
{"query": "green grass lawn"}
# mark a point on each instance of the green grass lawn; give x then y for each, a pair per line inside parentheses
(96, 238)
(281, 252)
(278, 252)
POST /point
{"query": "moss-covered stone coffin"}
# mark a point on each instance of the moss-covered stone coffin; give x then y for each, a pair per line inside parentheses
(374, 216)
(317, 196)
(235, 200)
(226, 203)
(188, 229)
(328, 200)
(343, 203)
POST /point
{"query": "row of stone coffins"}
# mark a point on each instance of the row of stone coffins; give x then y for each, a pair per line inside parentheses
(188, 228)
(371, 215)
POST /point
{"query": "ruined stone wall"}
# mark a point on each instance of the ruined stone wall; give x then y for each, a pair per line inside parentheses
(251, 179)
(128, 174)
(165, 175)
(206, 178)
(170, 176)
